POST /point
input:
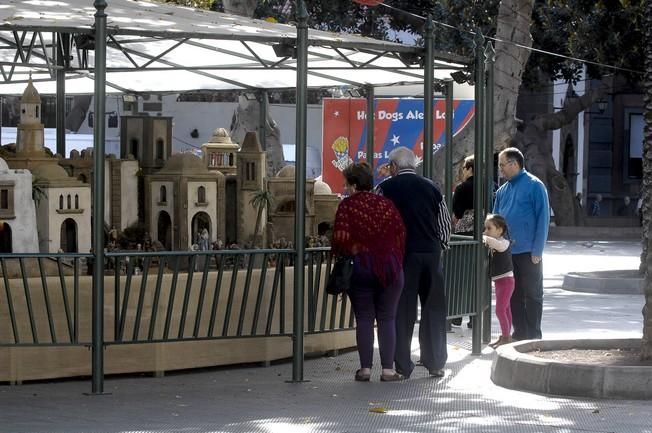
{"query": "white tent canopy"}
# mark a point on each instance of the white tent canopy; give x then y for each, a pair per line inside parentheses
(164, 48)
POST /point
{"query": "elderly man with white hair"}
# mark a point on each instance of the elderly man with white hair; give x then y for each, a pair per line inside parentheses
(428, 225)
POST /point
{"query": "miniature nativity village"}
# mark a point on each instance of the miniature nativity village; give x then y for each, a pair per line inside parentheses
(154, 200)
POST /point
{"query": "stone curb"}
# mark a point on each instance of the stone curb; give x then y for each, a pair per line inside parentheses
(578, 282)
(513, 368)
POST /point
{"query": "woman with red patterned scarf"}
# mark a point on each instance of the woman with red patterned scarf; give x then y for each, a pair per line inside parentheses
(370, 228)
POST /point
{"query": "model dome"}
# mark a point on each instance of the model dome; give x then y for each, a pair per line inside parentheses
(322, 188)
(221, 135)
(287, 171)
(50, 172)
(184, 163)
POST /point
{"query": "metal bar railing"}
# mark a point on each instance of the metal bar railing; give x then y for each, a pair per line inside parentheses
(41, 313)
(202, 295)
(28, 300)
(64, 295)
(173, 290)
(245, 295)
(157, 298)
(46, 299)
(259, 296)
(229, 302)
(216, 297)
(138, 316)
(10, 301)
(186, 295)
(141, 297)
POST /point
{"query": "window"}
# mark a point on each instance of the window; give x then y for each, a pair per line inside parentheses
(76, 201)
(37, 111)
(69, 200)
(163, 194)
(634, 163)
(250, 173)
(134, 147)
(201, 194)
(230, 159)
(61, 201)
(4, 199)
(160, 148)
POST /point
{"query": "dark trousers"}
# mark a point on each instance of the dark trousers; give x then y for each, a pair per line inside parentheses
(373, 302)
(527, 299)
(424, 280)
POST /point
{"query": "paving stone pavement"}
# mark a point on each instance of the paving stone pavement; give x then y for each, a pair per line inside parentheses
(258, 399)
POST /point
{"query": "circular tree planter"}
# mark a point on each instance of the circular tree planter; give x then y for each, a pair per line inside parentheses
(516, 368)
(619, 282)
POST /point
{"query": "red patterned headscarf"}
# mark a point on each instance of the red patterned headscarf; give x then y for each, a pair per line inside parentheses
(370, 225)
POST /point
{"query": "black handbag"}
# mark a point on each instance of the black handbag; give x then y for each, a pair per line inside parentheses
(339, 281)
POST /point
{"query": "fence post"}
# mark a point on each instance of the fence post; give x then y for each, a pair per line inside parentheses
(300, 193)
(98, 201)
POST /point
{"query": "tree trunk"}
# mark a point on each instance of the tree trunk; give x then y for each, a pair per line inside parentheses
(512, 25)
(259, 218)
(532, 139)
(246, 118)
(243, 8)
(530, 136)
(646, 343)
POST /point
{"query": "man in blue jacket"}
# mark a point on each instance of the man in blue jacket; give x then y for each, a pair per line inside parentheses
(523, 201)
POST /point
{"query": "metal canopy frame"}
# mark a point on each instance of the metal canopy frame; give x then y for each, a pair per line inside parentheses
(136, 47)
(214, 51)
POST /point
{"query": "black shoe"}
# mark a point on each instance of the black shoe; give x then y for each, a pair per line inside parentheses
(437, 372)
(405, 376)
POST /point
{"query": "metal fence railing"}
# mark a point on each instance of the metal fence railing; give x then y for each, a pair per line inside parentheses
(158, 297)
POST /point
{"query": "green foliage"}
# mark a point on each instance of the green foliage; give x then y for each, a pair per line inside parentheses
(200, 4)
(604, 31)
(133, 235)
(38, 193)
(262, 199)
(608, 32)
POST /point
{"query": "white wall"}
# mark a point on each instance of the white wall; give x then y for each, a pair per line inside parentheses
(55, 219)
(24, 238)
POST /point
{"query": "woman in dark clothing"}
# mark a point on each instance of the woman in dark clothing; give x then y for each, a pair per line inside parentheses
(463, 209)
(369, 228)
(463, 201)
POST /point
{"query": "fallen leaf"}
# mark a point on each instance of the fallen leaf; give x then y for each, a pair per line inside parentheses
(377, 409)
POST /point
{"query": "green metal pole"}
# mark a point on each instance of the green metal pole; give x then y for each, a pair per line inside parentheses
(98, 200)
(62, 62)
(478, 187)
(300, 192)
(490, 57)
(370, 126)
(448, 183)
(428, 75)
(263, 107)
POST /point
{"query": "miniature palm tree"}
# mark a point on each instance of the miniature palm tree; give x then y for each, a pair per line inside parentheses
(261, 200)
(38, 193)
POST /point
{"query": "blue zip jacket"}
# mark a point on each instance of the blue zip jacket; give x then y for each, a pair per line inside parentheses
(523, 202)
